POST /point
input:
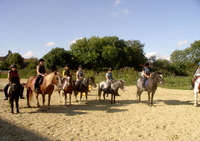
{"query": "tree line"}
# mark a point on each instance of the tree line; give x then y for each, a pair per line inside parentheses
(98, 54)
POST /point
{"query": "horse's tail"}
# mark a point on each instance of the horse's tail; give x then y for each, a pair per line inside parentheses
(29, 92)
(138, 87)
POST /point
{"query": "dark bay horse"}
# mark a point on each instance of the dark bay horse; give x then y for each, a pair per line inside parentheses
(103, 86)
(46, 87)
(84, 87)
(196, 91)
(67, 88)
(150, 87)
(14, 93)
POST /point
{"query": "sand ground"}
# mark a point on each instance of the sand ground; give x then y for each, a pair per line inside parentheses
(173, 117)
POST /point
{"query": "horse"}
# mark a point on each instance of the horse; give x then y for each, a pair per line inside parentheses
(46, 87)
(150, 86)
(14, 91)
(67, 88)
(113, 90)
(196, 91)
(84, 87)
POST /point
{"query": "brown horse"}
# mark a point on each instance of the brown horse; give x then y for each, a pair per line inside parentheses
(84, 88)
(67, 88)
(46, 87)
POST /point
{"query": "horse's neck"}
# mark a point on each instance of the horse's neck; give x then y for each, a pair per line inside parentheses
(47, 80)
(116, 85)
(86, 81)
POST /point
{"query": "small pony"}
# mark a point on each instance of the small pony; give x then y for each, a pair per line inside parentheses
(14, 93)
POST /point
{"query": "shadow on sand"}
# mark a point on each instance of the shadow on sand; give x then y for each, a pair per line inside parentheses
(11, 132)
(84, 108)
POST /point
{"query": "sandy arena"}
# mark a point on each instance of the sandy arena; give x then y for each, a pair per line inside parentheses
(173, 117)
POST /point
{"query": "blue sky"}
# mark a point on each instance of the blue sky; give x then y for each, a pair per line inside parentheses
(33, 27)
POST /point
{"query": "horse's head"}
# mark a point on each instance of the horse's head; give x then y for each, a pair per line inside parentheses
(119, 84)
(122, 82)
(160, 78)
(56, 79)
(92, 82)
(13, 87)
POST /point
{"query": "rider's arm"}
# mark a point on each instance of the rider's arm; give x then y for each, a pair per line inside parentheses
(144, 74)
(8, 76)
(63, 73)
(77, 75)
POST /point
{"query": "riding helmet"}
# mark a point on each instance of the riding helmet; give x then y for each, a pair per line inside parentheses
(13, 66)
(41, 60)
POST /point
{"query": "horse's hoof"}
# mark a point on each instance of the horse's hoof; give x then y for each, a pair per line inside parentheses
(195, 105)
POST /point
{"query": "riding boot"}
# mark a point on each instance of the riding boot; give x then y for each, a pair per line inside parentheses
(117, 94)
(6, 91)
(21, 92)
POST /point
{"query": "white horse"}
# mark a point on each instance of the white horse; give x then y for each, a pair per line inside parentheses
(113, 90)
(196, 91)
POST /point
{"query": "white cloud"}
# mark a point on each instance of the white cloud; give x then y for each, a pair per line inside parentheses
(50, 44)
(158, 56)
(182, 43)
(74, 41)
(125, 11)
(119, 13)
(29, 54)
(117, 2)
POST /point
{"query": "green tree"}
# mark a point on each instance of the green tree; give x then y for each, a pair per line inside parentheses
(57, 58)
(135, 53)
(15, 58)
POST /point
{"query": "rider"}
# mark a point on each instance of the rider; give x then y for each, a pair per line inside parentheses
(13, 74)
(146, 74)
(41, 71)
(196, 75)
(66, 72)
(79, 77)
(109, 79)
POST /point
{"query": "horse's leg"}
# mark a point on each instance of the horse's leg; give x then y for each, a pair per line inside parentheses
(11, 100)
(104, 97)
(49, 100)
(65, 98)
(114, 99)
(140, 98)
(70, 98)
(28, 97)
(152, 95)
(76, 93)
(81, 94)
(17, 104)
(112, 95)
(58, 96)
(38, 104)
(99, 94)
(149, 99)
(195, 98)
(86, 97)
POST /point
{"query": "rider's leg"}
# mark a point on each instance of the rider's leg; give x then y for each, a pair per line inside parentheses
(6, 91)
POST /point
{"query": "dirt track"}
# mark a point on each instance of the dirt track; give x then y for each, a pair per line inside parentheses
(173, 117)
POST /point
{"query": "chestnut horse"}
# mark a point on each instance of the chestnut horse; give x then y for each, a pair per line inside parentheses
(46, 87)
(196, 91)
(67, 88)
